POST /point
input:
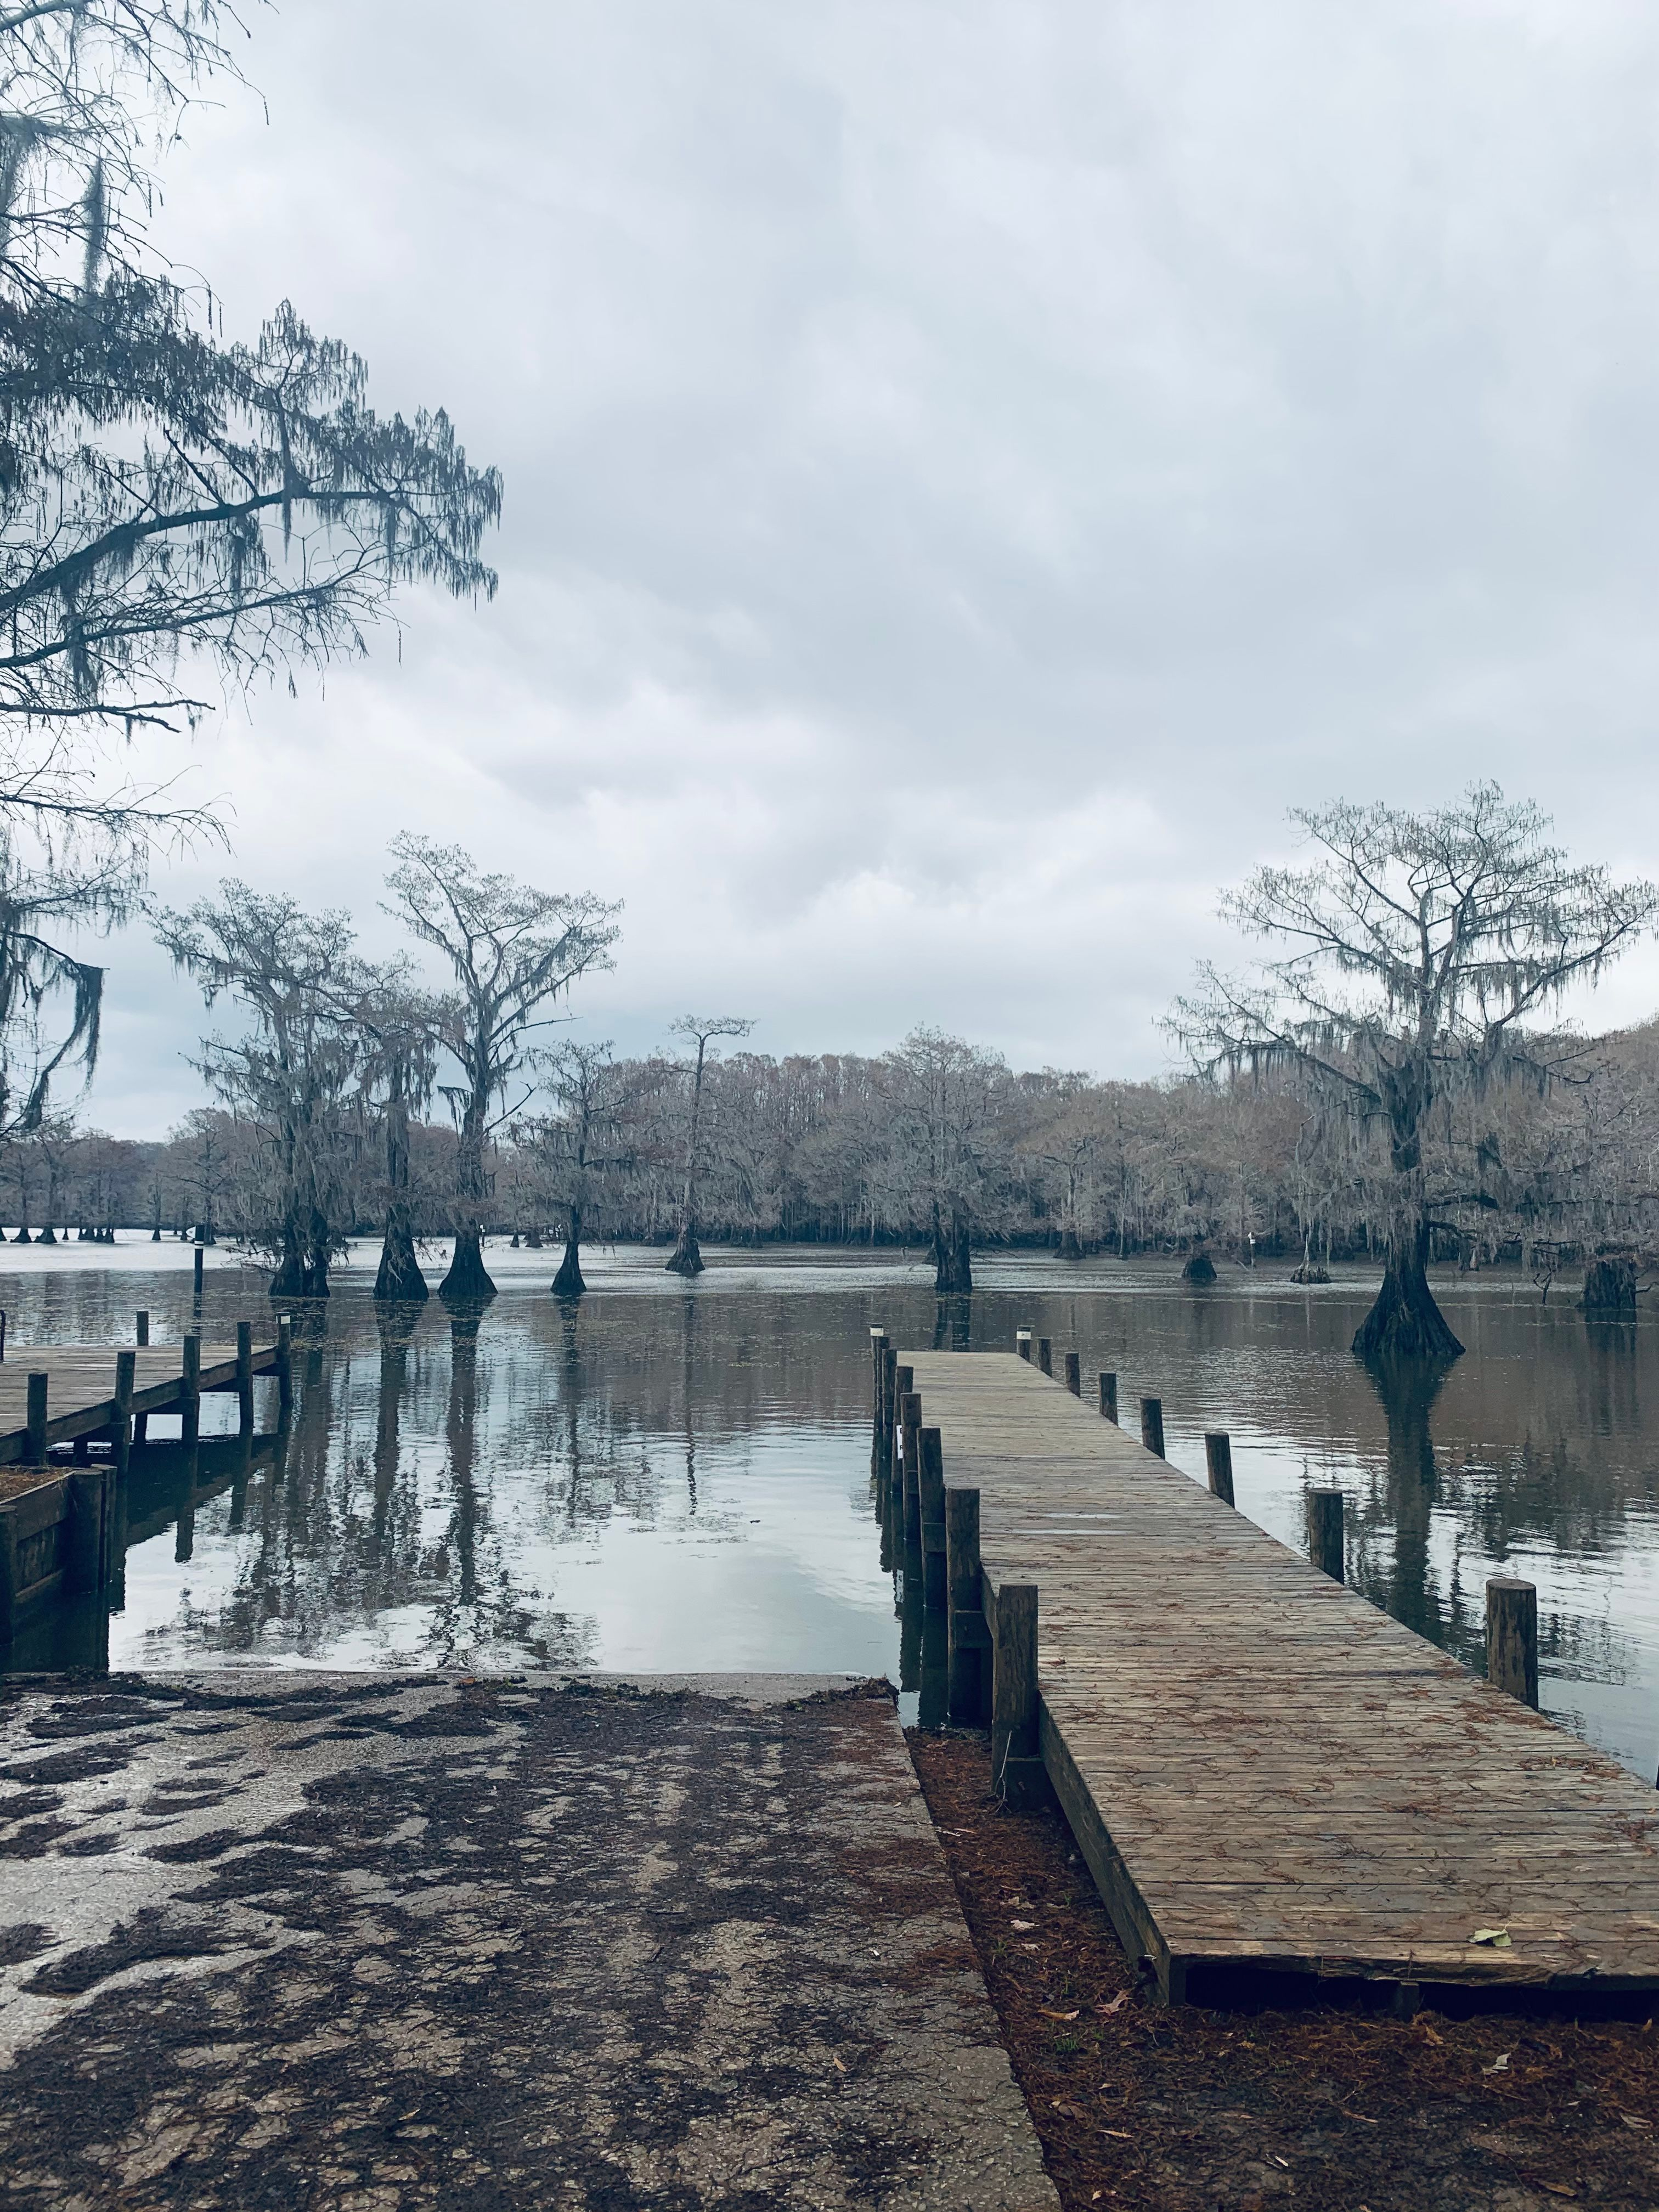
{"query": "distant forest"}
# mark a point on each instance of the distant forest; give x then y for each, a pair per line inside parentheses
(836, 1149)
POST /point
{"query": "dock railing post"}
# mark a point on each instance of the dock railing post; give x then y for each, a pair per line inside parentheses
(967, 1637)
(1512, 1637)
(910, 1462)
(1325, 1546)
(189, 1392)
(2, 1332)
(1074, 1374)
(1108, 1397)
(1045, 1355)
(284, 1363)
(1219, 1459)
(1023, 1342)
(245, 1378)
(196, 1282)
(36, 1444)
(1016, 1759)
(1151, 1424)
(933, 1520)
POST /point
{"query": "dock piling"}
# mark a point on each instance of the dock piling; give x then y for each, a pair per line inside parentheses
(1016, 1761)
(910, 1462)
(196, 1282)
(1023, 1342)
(1324, 1546)
(1108, 1397)
(931, 1485)
(38, 1385)
(1074, 1374)
(1151, 1424)
(1512, 1637)
(1219, 1459)
(968, 1637)
(140, 1335)
(126, 1365)
(1045, 1355)
(190, 1394)
(284, 1363)
(245, 1378)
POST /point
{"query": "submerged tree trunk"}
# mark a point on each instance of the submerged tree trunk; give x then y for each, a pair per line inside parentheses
(685, 1259)
(399, 1280)
(953, 1267)
(1610, 1288)
(1405, 1324)
(289, 1280)
(1200, 1268)
(567, 1283)
(468, 1279)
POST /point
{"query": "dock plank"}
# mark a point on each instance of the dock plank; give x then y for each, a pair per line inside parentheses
(1261, 1767)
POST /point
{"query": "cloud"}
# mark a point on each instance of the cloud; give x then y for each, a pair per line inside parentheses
(968, 470)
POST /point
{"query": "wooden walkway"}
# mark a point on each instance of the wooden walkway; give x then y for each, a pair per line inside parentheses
(80, 1386)
(1262, 1770)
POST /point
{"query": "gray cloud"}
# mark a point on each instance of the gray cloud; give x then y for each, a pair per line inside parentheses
(970, 469)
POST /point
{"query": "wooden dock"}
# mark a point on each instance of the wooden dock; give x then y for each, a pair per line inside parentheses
(81, 1400)
(1264, 1772)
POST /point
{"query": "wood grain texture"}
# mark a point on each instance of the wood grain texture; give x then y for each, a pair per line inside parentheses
(1263, 1769)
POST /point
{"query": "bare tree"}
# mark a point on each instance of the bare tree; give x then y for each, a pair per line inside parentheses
(293, 1073)
(400, 1025)
(702, 1031)
(1421, 947)
(949, 1105)
(512, 950)
(581, 1144)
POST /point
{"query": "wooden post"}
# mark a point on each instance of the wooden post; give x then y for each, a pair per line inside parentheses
(1512, 1637)
(35, 1448)
(1016, 1764)
(81, 1450)
(932, 1486)
(8, 1576)
(910, 1462)
(245, 1378)
(878, 1393)
(2, 1332)
(969, 1640)
(284, 1363)
(1151, 1424)
(125, 1364)
(89, 1520)
(141, 1421)
(1045, 1355)
(197, 1281)
(1023, 1342)
(1074, 1374)
(1218, 1458)
(1108, 1397)
(190, 1394)
(1325, 1546)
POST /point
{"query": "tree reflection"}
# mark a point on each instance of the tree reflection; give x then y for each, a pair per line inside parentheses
(1408, 1390)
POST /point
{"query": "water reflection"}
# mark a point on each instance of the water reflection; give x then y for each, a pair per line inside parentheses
(679, 1477)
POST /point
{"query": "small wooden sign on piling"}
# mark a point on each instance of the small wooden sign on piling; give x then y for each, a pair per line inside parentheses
(1023, 1342)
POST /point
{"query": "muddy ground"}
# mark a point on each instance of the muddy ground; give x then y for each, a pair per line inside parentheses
(1189, 2110)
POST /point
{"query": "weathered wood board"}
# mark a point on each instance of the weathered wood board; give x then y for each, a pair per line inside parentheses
(1263, 1769)
(81, 1392)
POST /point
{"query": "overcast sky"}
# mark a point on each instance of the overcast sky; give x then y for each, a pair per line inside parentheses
(969, 468)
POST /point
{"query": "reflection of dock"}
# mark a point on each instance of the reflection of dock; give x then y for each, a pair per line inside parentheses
(1263, 1770)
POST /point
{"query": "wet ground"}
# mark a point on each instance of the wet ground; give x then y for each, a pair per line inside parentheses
(333, 1941)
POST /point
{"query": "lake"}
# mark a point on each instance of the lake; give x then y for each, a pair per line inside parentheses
(676, 1477)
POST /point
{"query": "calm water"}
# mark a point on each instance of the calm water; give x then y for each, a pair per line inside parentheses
(678, 1478)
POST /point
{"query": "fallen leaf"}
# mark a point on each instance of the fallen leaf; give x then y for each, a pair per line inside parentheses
(1047, 2015)
(1498, 1938)
(1123, 2134)
(1558, 2189)
(836, 2063)
(1122, 1998)
(1430, 2033)
(1630, 2120)
(1069, 2111)
(1499, 2065)
(1277, 2160)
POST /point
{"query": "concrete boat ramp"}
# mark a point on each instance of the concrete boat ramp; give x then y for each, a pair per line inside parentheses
(313, 1940)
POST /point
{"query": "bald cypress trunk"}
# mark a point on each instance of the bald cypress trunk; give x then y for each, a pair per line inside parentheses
(1405, 1324)
(567, 1283)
